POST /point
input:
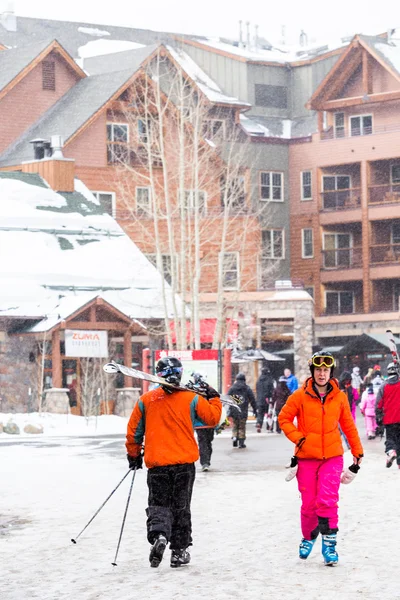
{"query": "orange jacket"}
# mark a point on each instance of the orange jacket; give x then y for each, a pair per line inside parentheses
(166, 421)
(318, 422)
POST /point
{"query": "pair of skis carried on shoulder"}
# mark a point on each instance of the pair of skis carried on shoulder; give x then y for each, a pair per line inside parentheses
(113, 367)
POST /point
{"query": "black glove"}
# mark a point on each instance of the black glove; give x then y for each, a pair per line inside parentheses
(135, 462)
(380, 430)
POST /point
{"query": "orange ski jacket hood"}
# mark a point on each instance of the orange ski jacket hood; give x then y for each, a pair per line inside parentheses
(318, 422)
(166, 424)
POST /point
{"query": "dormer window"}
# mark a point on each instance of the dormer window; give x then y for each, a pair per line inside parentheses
(49, 75)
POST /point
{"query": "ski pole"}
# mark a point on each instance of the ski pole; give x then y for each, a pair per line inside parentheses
(73, 540)
(114, 564)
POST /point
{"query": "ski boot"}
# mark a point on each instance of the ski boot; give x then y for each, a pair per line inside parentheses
(179, 558)
(242, 444)
(305, 548)
(235, 442)
(329, 553)
(258, 428)
(157, 550)
(391, 457)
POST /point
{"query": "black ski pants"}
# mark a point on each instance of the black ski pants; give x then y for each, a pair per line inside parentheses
(170, 495)
(393, 439)
(262, 409)
(205, 437)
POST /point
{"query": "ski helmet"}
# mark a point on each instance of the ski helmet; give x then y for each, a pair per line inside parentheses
(170, 368)
(392, 369)
(320, 359)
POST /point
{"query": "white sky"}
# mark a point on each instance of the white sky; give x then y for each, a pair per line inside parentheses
(220, 18)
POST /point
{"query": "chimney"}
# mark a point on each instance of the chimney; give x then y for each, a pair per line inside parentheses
(248, 34)
(56, 146)
(303, 38)
(7, 15)
(41, 148)
(256, 37)
(240, 34)
(48, 161)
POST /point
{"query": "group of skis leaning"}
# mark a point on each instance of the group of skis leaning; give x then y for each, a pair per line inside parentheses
(163, 420)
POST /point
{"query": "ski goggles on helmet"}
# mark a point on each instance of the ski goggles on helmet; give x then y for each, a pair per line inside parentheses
(170, 371)
(323, 361)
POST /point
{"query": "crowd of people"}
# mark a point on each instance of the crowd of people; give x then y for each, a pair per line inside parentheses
(315, 416)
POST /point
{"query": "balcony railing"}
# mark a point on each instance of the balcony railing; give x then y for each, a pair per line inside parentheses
(341, 199)
(387, 193)
(342, 258)
(385, 253)
(330, 134)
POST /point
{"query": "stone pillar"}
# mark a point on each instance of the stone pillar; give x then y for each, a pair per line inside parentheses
(303, 339)
(57, 400)
(126, 400)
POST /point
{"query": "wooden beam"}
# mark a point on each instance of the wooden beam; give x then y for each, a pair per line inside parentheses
(360, 100)
(93, 313)
(56, 365)
(109, 325)
(365, 76)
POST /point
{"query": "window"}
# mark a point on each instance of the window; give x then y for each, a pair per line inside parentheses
(395, 173)
(273, 244)
(271, 186)
(49, 75)
(144, 128)
(306, 191)
(336, 191)
(396, 233)
(214, 128)
(190, 199)
(143, 201)
(337, 250)
(274, 96)
(107, 201)
(339, 125)
(230, 270)
(339, 303)
(166, 265)
(361, 125)
(117, 142)
(307, 243)
(233, 193)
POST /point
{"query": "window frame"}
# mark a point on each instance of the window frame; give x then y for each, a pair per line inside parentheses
(113, 200)
(336, 127)
(340, 292)
(221, 258)
(164, 257)
(271, 186)
(144, 137)
(391, 233)
(392, 181)
(361, 117)
(118, 124)
(282, 231)
(221, 133)
(148, 212)
(190, 207)
(337, 248)
(303, 185)
(303, 254)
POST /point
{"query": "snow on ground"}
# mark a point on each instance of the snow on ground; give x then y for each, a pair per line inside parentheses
(246, 532)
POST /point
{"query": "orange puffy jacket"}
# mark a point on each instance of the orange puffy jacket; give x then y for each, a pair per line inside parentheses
(319, 422)
(166, 421)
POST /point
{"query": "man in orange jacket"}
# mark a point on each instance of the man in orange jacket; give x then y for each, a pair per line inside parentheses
(320, 407)
(165, 419)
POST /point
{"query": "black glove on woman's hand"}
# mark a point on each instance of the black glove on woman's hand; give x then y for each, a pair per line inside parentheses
(135, 462)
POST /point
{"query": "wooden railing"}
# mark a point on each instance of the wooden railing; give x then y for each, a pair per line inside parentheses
(341, 199)
(387, 193)
(385, 253)
(342, 258)
(329, 134)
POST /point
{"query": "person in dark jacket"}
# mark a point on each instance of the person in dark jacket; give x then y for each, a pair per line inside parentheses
(346, 387)
(388, 413)
(264, 389)
(244, 392)
(279, 397)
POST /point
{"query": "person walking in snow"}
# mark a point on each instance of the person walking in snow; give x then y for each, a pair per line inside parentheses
(245, 393)
(356, 382)
(376, 379)
(291, 381)
(388, 413)
(264, 389)
(164, 419)
(346, 386)
(319, 407)
(367, 407)
(279, 397)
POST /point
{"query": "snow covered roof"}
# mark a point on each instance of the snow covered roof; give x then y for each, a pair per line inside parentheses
(388, 50)
(211, 90)
(100, 47)
(275, 127)
(59, 259)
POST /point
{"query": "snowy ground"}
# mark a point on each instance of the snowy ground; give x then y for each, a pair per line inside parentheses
(246, 531)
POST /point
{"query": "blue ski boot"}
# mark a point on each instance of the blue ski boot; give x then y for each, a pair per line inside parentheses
(305, 548)
(329, 553)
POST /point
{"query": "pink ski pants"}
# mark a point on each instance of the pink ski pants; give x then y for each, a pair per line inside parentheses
(370, 424)
(318, 482)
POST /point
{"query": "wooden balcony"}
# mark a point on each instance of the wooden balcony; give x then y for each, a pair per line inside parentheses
(330, 134)
(341, 264)
(384, 254)
(338, 200)
(388, 193)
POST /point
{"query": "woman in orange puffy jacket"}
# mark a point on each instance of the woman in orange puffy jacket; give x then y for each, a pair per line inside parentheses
(320, 407)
